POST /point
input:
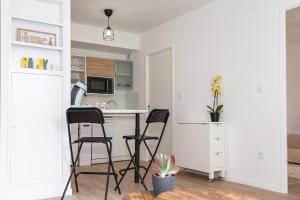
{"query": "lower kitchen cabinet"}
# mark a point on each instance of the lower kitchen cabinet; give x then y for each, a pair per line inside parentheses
(201, 147)
(115, 127)
(96, 152)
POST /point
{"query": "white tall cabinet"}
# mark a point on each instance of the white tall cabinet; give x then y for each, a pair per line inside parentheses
(201, 147)
(33, 142)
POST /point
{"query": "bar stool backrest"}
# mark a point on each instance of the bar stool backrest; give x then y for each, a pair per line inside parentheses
(158, 115)
(91, 115)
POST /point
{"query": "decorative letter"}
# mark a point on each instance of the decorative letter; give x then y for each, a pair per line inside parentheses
(45, 63)
(40, 63)
(25, 62)
(30, 63)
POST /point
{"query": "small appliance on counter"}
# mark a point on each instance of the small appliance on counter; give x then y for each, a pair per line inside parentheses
(77, 93)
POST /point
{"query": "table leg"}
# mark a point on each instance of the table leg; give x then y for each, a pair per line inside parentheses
(137, 147)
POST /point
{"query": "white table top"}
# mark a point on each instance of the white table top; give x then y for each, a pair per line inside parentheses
(199, 122)
(123, 111)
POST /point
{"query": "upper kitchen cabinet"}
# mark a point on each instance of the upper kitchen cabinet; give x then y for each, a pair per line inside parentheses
(100, 67)
(78, 69)
(124, 74)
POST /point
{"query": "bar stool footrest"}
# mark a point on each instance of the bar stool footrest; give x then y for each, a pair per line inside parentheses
(131, 168)
(96, 173)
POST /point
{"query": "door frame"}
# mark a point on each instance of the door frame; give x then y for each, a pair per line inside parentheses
(171, 47)
(283, 97)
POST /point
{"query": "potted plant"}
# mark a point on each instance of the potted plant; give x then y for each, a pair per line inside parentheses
(164, 178)
(216, 109)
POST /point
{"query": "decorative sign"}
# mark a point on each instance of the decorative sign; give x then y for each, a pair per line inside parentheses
(37, 37)
(28, 62)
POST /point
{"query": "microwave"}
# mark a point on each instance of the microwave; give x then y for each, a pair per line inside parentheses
(100, 85)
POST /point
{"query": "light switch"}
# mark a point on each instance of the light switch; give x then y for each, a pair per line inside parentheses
(179, 96)
(259, 89)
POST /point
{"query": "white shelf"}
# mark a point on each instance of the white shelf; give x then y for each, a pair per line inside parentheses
(27, 44)
(37, 21)
(38, 71)
(54, 2)
(77, 70)
(121, 74)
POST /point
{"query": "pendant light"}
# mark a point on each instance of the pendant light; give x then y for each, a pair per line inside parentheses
(108, 33)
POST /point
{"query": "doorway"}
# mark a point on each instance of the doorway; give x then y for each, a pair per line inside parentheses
(160, 92)
(293, 99)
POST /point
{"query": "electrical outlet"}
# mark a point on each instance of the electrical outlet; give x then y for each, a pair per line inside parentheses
(261, 156)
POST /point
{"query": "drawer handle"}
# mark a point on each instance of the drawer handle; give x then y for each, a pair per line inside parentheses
(218, 139)
(218, 153)
(86, 125)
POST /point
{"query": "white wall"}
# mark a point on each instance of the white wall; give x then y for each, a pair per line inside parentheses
(99, 54)
(293, 82)
(242, 41)
(93, 35)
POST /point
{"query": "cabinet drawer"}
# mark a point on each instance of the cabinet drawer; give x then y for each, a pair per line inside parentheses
(218, 131)
(85, 130)
(218, 144)
(218, 159)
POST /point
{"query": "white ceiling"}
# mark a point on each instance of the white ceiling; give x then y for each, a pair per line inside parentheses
(293, 25)
(131, 15)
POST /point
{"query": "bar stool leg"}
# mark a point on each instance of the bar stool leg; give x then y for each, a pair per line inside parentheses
(112, 167)
(122, 176)
(75, 173)
(136, 167)
(108, 171)
(72, 172)
(152, 157)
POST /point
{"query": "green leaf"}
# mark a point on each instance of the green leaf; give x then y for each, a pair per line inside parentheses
(219, 109)
(210, 108)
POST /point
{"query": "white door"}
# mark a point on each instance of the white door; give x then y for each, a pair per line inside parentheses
(160, 94)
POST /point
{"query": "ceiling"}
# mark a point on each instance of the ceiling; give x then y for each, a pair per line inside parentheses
(131, 15)
(293, 25)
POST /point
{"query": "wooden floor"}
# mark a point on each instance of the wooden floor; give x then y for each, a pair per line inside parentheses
(92, 187)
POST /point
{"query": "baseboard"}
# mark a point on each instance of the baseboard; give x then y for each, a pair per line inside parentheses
(35, 191)
(255, 184)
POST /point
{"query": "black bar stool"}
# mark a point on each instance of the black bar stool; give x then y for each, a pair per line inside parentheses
(155, 116)
(89, 115)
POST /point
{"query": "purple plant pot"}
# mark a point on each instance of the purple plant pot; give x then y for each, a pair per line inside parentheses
(161, 185)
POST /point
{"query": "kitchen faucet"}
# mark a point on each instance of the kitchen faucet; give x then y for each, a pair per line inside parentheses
(109, 102)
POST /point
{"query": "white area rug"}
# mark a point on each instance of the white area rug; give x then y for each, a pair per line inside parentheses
(294, 171)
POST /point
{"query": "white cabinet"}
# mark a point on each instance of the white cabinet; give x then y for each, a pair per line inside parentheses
(36, 127)
(99, 152)
(34, 153)
(85, 155)
(201, 147)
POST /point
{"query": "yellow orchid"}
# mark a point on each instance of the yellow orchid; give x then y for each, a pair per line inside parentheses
(216, 85)
(216, 88)
(218, 78)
